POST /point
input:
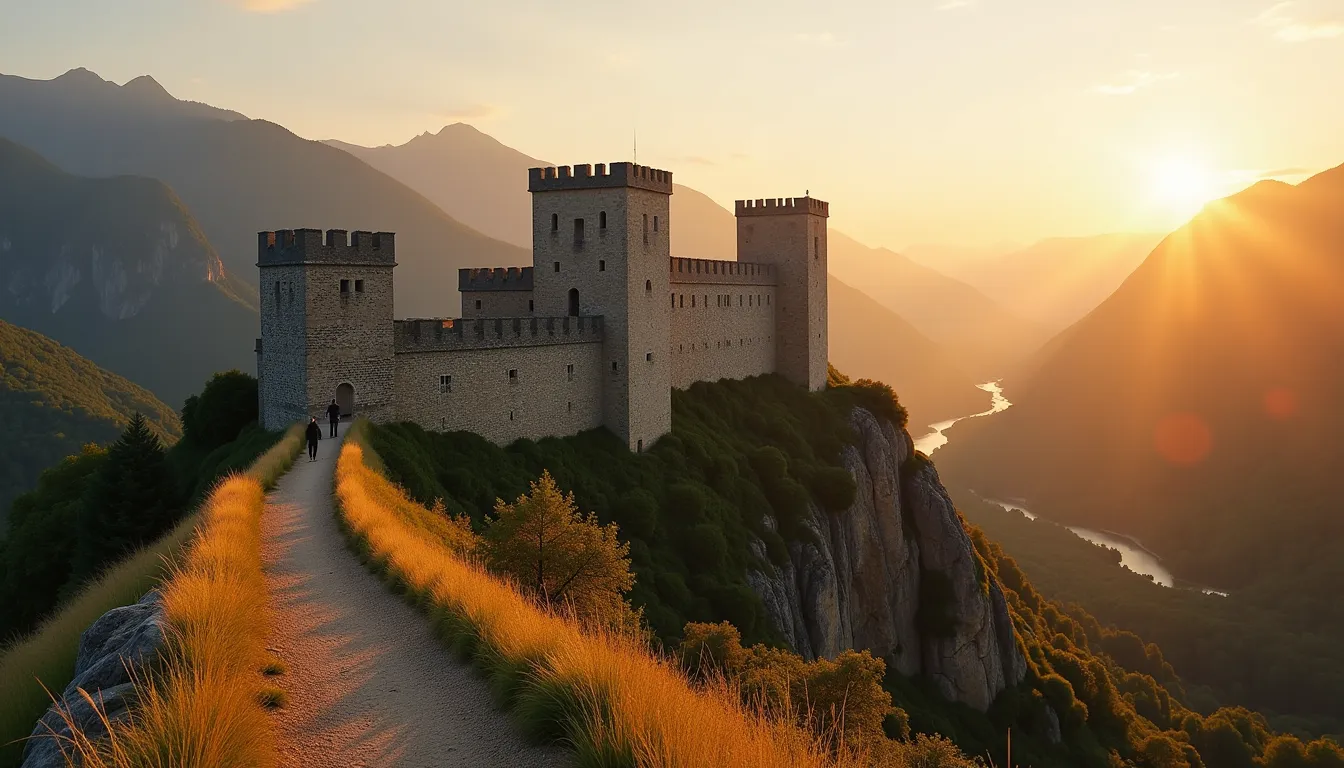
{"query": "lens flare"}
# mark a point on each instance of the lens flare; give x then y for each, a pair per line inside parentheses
(1281, 403)
(1182, 439)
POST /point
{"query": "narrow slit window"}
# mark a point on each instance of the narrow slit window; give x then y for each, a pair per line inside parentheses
(555, 222)
(277, 293)
(648, 286)
(569, 372)
(578, 232)
(602, 220)
(531, 305)
(557, 266)
(655, 223)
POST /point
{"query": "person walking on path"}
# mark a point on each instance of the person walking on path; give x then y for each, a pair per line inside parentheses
(334, 415)
(314, 434)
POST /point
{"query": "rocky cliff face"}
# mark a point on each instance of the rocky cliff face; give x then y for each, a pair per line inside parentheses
(896, 573)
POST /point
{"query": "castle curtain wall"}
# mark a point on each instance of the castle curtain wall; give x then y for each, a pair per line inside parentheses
(723, 320)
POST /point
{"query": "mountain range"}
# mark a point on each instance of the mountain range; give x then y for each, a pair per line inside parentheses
(118, 270)
(1198, 408)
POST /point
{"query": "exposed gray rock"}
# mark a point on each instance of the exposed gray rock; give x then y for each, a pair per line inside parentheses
(121, 642)
(858, 584)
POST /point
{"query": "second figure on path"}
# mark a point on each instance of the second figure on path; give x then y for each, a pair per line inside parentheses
(334, 416)
(313, 434)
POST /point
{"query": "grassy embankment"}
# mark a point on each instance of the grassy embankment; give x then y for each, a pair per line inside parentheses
(213, 598)
(607, 696)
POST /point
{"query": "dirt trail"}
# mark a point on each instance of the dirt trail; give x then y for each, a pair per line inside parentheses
(368, 683)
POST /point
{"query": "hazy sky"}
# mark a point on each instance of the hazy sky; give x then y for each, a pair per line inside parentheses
(945, 121)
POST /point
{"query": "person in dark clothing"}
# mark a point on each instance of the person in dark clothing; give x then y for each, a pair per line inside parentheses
(334, 415)
(314, 434)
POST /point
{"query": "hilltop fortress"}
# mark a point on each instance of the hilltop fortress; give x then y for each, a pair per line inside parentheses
(597, 332)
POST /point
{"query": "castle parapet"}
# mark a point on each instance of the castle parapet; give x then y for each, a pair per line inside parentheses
(335, 246)
(782, 206)
(452, 334)
(495, 279)
(601, 176)
(717, 272)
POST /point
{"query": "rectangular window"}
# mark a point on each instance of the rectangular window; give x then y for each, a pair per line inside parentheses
(655, 223)
(681, 300)
(816, 248)
(601, 265)
(513, 375)
(531, 305)
(578, 231)
(602, 220)
(646, 229)
(692, 301)
(648, 357)
(557, 266)
(555, 222)
(674, 300)
(571, 406)
(569, 372)
(359, 286)
(345, 286)
(445, 383)
(478, 303)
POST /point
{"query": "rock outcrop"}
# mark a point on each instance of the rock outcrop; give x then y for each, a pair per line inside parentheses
(120, 643)
(896, 573)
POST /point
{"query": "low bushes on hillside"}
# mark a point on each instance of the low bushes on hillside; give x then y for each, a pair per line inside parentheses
(603, 692)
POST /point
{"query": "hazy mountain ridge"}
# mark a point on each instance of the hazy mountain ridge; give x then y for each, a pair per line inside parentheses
(55, 401)
(243, 176)
(1197, 407)
(118, 270)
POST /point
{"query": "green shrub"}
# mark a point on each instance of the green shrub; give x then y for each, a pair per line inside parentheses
(226, 405)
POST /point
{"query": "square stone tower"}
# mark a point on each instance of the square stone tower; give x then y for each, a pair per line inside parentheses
(326, 324)
(791, 234)
(600, 246)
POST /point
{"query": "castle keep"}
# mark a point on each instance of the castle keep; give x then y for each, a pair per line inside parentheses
(597, 332)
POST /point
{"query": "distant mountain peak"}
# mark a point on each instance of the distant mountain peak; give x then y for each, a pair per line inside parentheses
(80, 76)
(147, 86)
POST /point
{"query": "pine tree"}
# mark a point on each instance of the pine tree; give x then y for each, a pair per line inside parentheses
(131, 501)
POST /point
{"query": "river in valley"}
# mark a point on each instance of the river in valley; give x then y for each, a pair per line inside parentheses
(1132, 553)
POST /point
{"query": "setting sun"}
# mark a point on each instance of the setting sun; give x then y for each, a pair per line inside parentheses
(1181, 183)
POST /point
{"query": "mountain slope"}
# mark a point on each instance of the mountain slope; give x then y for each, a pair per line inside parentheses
(55, 401)
(982, 337)
(119, 271)
(1198, 408)
(1055, 282)
(869, 341)
(243, 176)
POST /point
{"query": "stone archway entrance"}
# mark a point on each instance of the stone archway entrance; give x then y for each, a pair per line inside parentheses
(345, 398)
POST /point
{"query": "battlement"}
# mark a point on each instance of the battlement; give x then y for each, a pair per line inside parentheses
(450, 334)
(495, 279)
(781, 206)
(335, 246)
(716, 272)
(600, 176)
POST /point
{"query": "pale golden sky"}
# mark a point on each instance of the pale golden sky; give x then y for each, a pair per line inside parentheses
(922, 121)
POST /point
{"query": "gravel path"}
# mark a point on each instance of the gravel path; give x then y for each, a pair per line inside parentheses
(368, 684)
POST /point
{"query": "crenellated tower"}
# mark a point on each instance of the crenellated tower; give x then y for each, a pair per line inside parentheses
(600, 246)
(326, 324)
(791, 234)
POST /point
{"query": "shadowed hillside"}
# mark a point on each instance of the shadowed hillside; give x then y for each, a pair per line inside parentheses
(118, 270)
(243, 176)
(1198, 409)
(55, 401)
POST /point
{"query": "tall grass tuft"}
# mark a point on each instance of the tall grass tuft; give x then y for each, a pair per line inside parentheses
(202, 707)
(606, 695)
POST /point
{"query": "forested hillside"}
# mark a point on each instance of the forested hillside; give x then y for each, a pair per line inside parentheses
(744, 453)
(55, 401)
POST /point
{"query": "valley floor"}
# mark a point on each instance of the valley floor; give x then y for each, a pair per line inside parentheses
(367, 682)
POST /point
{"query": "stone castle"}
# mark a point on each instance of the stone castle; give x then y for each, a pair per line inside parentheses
(597, 332)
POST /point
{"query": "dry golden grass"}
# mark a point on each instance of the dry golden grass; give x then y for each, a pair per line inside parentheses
(608, 696)
(203, 707)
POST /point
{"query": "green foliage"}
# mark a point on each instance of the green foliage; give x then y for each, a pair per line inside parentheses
(226, 405)
(742, 462)
(131, 501)
(55, 401)
(93, 509)
(560, 556)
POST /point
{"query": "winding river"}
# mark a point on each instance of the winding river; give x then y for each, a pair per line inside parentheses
(1133, 555)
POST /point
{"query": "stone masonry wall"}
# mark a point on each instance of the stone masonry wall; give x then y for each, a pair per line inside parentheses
(349, 338)
(721, 331)
(555, 389)
(282, 366)
(497, 304)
